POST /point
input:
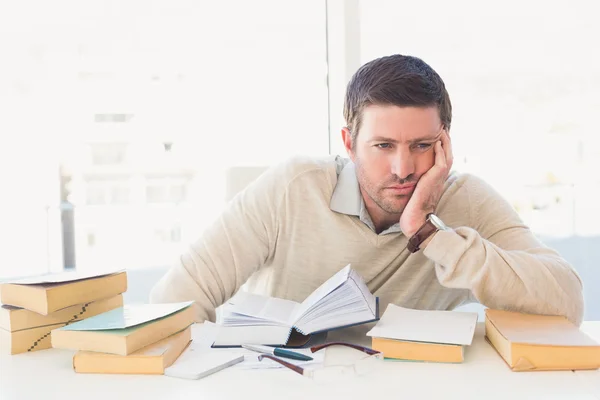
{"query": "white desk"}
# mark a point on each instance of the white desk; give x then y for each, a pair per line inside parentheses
(48, 375)
(591, 379)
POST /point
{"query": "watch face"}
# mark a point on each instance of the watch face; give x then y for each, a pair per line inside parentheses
(437, 222)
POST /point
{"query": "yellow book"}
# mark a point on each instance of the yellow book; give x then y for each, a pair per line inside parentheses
(126, 329)
(423, 335)
(419, 351)
(27, 340)
(53, 292)
(540, 342)
(15, 318)
(150, 360)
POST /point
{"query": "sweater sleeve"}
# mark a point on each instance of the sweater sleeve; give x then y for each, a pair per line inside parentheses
(229, 251)
(502, 263)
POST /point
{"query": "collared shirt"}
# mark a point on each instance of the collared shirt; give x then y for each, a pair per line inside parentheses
(347, 199)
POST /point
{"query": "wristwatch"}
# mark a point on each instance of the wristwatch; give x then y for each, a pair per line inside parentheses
(432, 224)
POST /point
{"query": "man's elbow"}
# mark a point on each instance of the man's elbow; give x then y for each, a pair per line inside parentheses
(178, 286)
(574, 297)
(172, 287)
(571, 299)
(577, 308)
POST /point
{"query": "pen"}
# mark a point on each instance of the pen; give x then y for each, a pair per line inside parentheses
(277, 352)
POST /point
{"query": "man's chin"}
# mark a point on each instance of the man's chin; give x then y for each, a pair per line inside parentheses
(394, 207)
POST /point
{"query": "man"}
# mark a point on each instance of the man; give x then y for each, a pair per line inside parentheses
(420, 236)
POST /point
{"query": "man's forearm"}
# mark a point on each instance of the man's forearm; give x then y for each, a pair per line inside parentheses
(533, 279)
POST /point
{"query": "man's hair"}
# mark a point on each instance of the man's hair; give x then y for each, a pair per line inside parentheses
(398, 80)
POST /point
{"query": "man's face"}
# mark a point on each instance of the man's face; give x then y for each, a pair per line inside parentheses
(394, 148)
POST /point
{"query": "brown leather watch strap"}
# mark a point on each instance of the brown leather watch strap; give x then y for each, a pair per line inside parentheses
(426, 230)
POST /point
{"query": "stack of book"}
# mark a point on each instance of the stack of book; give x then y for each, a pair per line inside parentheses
(33, 307)
(133, 339)
(423, 335)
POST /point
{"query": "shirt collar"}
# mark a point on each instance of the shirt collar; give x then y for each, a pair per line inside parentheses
(347, 199)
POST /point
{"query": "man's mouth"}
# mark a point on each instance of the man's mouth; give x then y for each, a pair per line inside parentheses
(402, 189)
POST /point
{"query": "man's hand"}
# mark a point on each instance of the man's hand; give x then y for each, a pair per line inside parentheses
(429, 188)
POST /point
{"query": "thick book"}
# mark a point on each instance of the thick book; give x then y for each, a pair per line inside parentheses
(52, 292)
(419, 351)
(529, 342)
(27, 340)
(342, 301)
(150, 360)
(16, 319)
(126, 329)
(423, 335)
(25, 331)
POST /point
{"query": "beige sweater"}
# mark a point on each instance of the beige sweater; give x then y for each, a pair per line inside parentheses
(281, 236)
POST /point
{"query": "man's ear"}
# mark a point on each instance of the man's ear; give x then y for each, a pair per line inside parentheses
(347, 139)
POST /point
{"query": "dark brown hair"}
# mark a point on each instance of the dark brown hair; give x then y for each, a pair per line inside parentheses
(398, 80)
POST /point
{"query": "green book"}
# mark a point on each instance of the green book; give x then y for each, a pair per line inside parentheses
(125, 329)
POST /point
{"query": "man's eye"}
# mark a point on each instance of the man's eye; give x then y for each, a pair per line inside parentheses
(423, 146)
(384, 145)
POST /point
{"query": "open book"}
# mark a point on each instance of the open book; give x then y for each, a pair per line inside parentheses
(343, 300)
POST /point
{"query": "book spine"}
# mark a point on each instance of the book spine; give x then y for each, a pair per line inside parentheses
(290, 333)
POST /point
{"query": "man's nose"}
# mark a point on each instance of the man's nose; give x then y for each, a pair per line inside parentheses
(403, 164)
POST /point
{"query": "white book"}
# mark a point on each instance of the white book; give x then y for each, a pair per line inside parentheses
(429, 326)
(343, 300)
(197, 363)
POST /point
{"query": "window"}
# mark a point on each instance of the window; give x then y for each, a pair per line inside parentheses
(119, 118)
(91, 239)
(156, 193)
(108, 153)
(168, 235)
(156, 117)
(523, 78)
(107, 191)
(166, 189)
(95, 194)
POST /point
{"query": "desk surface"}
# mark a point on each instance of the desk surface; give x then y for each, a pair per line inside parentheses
(48, 374)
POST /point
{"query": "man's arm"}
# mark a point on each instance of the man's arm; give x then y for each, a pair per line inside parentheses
(229, 251)
(503, 264)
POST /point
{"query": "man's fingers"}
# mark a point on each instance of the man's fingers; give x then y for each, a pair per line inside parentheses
(447, 145)
(440, 155)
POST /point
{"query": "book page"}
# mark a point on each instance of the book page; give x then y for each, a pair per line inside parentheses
(61, 277)
(344, 306)
(206, 334)
(266, 308)
(197, 364)
(227, 336)
(327, 287)
(126, 316)
(342, 299)
(546, 330)
(432, 326)
(364, 290)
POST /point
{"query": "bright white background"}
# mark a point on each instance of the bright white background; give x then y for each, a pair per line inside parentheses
(144, 106)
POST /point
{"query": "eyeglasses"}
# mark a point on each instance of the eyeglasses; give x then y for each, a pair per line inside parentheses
(362, 366)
